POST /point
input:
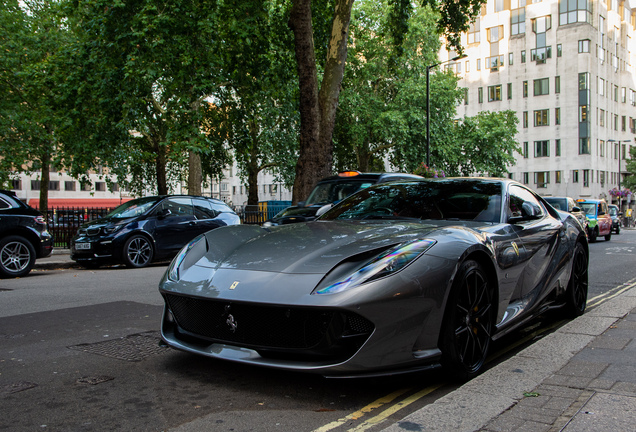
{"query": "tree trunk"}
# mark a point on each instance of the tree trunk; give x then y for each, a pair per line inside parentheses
(317, 108)
(160, 165)
(44, 182)
(195, 173)
(252, 178)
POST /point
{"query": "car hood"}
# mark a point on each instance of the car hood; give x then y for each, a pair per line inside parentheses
(306, 248)
(104, 221)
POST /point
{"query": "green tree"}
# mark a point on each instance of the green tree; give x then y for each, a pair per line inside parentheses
(630, 180)
(144, 73)
(31, 34)
(319, 97)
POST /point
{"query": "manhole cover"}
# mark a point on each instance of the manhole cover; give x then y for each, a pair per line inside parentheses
(94, 380)
(134, 348)
(17, 387)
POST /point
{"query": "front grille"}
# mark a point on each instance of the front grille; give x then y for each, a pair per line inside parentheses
(270, 328)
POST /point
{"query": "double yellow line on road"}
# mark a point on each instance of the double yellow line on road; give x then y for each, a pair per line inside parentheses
(614, 292)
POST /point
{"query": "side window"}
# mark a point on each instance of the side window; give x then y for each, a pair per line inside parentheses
(4, 204)
(178, 206)
(523, 203)
(219, 207)
(203, 209)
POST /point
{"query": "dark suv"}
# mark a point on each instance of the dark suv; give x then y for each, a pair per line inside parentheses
(332, 190)
(148, 229)
(23, 236)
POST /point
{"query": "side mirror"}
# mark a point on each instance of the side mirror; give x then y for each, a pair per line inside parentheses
(576, 209)
(528, 212)
(324, 209)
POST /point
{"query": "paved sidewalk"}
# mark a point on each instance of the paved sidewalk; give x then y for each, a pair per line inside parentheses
(580, 378)
(59, 259)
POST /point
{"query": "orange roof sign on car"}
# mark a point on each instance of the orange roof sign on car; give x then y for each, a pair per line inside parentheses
(348, 173)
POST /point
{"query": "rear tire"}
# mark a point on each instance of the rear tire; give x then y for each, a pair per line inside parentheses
(609, 236)
(576, 294)
(468, 322)
(17, 256)
(593, 235)
(137, 251)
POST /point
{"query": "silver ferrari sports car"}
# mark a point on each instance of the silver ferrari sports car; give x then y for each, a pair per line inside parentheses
(398, 277)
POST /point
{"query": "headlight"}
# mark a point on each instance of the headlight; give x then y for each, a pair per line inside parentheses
(112, 229)
(389, 262)
(177, 262)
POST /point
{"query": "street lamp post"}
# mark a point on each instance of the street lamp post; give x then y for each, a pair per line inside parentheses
(428, 106)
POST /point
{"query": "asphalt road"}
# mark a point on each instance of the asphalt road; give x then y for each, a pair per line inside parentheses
(78, 351)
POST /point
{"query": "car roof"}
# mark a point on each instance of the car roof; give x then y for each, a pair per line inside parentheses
(375, 177)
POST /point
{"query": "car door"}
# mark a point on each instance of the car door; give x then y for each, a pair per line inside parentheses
(541, 237)
(206, 216)
(175, 225)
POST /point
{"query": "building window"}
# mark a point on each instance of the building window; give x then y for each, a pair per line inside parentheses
(511, 57)
(480, 95)
(541, 117)
(494, 62)
(523, 56)
(586, 178)
(69, 185)
(473, 32)
(494, 93)
(575, 176)
(575, 11)
(542, 179)
(35, 184)
(54, 185)
(601, 118)
(584, 46)
(584, 81)
(557, 116)
(557, 147)
(526, 150)
(87, 186)
(526, 178)
(478, 64)
(557, 84)
(623, 123)
(615, 93)
(467, 66)
(541, 86)
(601, 86)
(584, 146)
(114, 187)
(525, 89)
(602, 148)
(623, 94)
(100, 186)
(542, 148)
(16, 184)
(525, 119)
(615, 122)
(509, 90)
(559, 50)
(466, 96)
(540, 26)
(557, 176)
(518, 17)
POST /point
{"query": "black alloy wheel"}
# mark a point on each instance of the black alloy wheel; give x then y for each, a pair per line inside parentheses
(138, 251)
(17, 256)
(576, 294)
(469, 322)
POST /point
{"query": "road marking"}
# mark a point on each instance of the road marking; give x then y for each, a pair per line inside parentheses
(393, 409)
(360, 413)
(614, 292)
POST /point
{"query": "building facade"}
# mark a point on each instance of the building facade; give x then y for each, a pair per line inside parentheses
(567, 68)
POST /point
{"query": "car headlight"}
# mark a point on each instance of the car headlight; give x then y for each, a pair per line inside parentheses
(112, 229)
(198, 246)
(389, 262)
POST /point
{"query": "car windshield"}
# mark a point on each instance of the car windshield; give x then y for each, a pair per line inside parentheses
(334, 191)
(436, 199)
(613, 211)
(588, 208)
(557, 203)
(133, 208)
(296, 211)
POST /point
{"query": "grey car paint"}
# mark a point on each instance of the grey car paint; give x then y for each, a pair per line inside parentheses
(282, 266)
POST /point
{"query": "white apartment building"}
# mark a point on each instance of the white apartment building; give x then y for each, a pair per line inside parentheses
(567, 68)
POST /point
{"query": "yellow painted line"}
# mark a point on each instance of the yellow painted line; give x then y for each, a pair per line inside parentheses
(393, 409)
(609, 297)
(360, 413)
(631, 283)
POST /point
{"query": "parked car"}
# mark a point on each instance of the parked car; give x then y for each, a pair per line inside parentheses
(616, 216)
(398, 277)
(598, 218)
(569, 205)
(331, 190)
(24, 236)
(148, 229)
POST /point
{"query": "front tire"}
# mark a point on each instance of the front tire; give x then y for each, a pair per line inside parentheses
(609, 236)
(137, 252)
(576, 294)
(17, 256)
(468, 322)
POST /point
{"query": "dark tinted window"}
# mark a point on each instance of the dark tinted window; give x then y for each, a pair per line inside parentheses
(523, 202)
(133, 208)
(219, 207)
(203, 209)
(443, 199)
(178, 206)
(4, 204)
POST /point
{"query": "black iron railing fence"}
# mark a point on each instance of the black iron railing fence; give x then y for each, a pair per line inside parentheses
(65, 221)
